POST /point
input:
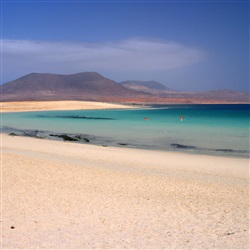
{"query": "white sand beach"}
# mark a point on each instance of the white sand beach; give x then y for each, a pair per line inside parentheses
(61, 195)
(57, 105)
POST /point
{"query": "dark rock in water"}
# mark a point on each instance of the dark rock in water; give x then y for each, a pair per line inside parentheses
(65, 137)
(226, 150)
(122, 144)
(79, 137)
(13, 134)
(84, 117)
(176, 145)
(32, 133)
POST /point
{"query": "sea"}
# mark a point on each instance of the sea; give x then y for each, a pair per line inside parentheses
(210, 129)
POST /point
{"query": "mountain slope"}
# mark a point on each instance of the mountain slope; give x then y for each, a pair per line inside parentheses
(86, 85)
(146, 86)
(94, 87)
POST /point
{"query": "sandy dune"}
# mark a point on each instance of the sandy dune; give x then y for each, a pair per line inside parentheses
(60, 195)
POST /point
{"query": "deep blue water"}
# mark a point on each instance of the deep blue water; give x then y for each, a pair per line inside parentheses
(206, 129)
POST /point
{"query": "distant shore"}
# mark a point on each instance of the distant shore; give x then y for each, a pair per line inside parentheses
(25, 106)
(57, 105)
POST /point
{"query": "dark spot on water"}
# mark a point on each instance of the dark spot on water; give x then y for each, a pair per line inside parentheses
(225, 150)
(32, 133)
(176, 145)
(84, 117)
(65, 137)
(122, 144)
(231, 150)
(13, 134)
(82, 138)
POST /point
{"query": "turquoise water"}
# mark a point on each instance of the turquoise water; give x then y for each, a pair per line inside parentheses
(208, 129)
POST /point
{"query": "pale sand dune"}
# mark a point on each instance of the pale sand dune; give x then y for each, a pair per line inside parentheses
(57, 105)
(60, 195)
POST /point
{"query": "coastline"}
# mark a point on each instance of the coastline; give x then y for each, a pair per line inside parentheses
(90, 139)
(65, 195)
(101, 139)
(25, 106)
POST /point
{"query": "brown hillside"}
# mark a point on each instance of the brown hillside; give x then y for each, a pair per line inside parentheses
(87, 85)
(94, 87)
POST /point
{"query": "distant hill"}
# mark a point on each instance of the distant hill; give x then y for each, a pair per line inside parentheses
(146, 86)
(80, 86)
(94, 87)
(225, 95)
(213, 96)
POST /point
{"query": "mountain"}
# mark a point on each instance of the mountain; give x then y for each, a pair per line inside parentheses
(225, 95)
(213, 96)
(146, 86)
(94, 87)
(80, 86)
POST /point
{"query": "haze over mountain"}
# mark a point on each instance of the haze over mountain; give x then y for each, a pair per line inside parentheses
(93, 86)
(146, 86)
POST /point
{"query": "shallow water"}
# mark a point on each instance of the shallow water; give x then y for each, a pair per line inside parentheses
(206, 129)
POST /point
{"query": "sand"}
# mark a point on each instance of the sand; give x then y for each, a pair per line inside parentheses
(57, 105)
(61, 195)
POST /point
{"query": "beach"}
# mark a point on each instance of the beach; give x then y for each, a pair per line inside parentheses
(57, 105)
(62, 195)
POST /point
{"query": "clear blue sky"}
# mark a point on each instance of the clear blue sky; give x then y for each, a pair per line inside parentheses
(186, 45)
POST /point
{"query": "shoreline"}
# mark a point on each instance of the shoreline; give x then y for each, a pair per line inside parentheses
(29, 106)
(20, 144)
(65, 195)
(107, 142)
(89, 139)
(100, 140)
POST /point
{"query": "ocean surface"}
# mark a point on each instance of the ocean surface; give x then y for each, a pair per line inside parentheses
(199, 129)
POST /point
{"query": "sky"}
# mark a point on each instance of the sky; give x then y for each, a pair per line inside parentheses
(196, 45)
